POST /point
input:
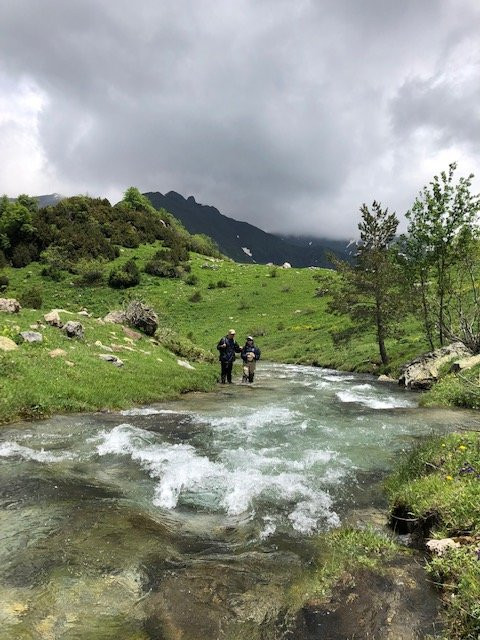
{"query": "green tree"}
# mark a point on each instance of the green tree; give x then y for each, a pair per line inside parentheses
(369, 290)
(441, 221)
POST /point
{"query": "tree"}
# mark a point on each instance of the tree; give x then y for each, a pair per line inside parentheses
(441, 220)
(369, 289)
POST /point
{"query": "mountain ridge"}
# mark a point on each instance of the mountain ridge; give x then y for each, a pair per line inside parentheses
(244, 242)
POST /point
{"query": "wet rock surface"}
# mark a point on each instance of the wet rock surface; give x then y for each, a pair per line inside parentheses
(398, 604)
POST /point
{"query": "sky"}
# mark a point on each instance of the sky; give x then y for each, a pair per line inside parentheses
(288, 114)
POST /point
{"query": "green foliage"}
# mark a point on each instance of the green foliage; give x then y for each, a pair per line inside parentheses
(124, 276)
(222, 284)
(31, 298)
(90, 273)
(369, 290)
(441, 479)
(183, 347)
(442, 223)
(195, 297)
(192, 280)
(4, 280)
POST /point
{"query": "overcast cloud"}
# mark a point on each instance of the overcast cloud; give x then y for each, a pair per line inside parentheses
(286, 114)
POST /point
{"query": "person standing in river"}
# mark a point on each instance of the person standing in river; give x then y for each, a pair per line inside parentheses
(228, 347)
(250, 354)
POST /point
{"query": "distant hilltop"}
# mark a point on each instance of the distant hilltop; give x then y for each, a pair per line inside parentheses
(243, 242)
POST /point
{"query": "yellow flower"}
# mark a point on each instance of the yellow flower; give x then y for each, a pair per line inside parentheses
(449, 478)
(444, 445)
(462, 447)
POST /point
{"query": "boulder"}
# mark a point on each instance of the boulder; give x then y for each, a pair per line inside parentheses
(142, 317)
(9, 305)
(115, 317)
(286, 265)
(108, 357)
(6, 344)
(53, 319)
(465, 363)
(32, 336)
(74, 329)
(422, 372)
(384, 378)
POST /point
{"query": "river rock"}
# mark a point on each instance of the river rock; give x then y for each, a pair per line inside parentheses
(142, 317)
(6, 344)
(439, 547)
(465, 363)
(53, 319)
(74, 329)
(9, 305)
(115, 317)
(286, 265)
(422, 372)
(108, 357)
(31, 336)
(384, 378)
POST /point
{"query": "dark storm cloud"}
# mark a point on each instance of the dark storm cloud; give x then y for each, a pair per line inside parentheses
(288, 114)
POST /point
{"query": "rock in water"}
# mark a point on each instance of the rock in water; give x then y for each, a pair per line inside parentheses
(9, 305)
(422, 372)
(74, 329)
(142, 317)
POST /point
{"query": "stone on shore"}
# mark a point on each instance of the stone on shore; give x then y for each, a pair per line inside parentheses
(422, 372)
(53, 319)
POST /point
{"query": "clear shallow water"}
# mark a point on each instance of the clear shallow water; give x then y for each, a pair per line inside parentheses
(214, 491)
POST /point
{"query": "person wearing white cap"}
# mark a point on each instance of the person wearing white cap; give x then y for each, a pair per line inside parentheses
(250, 354)
(227, 347)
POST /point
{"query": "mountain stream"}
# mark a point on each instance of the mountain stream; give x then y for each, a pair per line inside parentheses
(192, 519)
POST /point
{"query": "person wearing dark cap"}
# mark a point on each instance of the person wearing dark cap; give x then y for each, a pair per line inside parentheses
(250, 354)
(228, 347)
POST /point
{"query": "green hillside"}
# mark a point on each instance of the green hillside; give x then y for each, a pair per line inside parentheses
(280, 307)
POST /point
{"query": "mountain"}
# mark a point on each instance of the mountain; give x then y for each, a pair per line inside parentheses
(243, 242)
(45, 201)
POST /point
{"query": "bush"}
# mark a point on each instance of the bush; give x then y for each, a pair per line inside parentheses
(21, 256)
(52, 273)
(4, 281)
(31, 298)
(128, 275)
(212, 285)
(273, 272)
(195, 297)
(183, 347)
(192, 280)
(222, 284)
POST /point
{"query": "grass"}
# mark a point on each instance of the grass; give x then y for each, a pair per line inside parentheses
(439, 482)
(35, 385)
(280, 307)
(341, 551)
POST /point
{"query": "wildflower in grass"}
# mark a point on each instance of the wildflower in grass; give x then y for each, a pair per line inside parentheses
(462, 447)
(449, 478)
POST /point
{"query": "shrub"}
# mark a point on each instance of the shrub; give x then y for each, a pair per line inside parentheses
(273, 272)
(3, 282)
(183, 347)
(212, 285)
(90, 274)
(195, 297)
(3, 260)
(52, 273)
(21, 256)
(125, 276)
(222, 284)
(31, 298)
(192, 280)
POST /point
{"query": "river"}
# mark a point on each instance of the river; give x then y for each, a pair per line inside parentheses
(191, 519)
